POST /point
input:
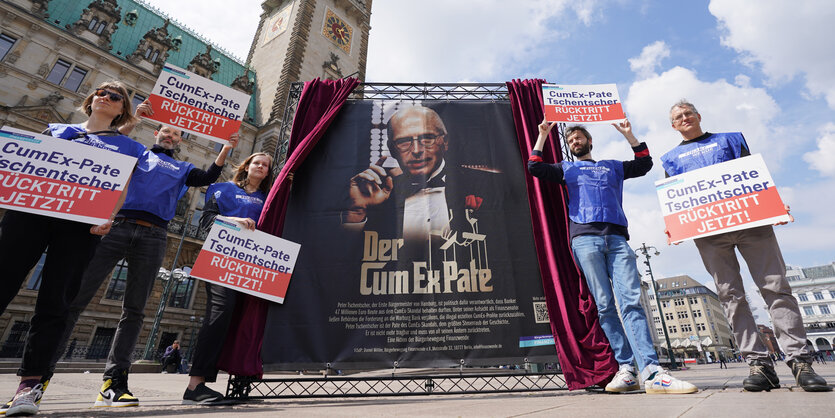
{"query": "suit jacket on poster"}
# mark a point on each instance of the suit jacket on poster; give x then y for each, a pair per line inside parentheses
(478, 193)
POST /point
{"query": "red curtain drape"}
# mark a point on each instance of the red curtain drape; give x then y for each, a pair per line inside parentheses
(582, 348)
(318, 105)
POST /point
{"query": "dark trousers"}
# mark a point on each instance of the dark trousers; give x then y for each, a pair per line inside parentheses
(69, 245)
(173, 358)
(144, 248)
(220, 305)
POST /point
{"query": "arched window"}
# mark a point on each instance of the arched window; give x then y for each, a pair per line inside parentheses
(822, 344)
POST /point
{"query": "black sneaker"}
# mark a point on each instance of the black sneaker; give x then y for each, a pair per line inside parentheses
(114, 392)
(807, 378)
(202, 395)
(761, 378)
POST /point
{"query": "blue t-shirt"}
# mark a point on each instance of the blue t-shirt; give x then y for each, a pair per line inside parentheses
(699, 153)
(595, 191)
(232, 200)
(157, 184)
(116, 143)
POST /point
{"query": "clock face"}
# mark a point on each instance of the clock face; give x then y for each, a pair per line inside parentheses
(277, 24)
(338, 31)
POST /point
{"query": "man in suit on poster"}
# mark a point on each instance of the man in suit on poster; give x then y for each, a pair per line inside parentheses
(435, 206)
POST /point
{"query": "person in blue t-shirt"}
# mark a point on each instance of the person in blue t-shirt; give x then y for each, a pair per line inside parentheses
(240, 199)
(69, 244)
(758, 247)
(599, 235)
(139, 236)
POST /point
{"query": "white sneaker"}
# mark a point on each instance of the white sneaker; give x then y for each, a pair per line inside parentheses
(25, 402)
(624, 381)
(662, 382)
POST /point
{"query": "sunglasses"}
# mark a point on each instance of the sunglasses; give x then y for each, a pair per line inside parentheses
(114, 97)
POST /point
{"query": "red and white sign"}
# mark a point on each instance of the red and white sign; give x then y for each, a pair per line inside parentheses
(59, 178)
(196, 104)
(590, 103)
(251, 262)
(734, 195)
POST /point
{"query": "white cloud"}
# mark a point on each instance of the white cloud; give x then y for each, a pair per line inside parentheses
(650, 58)
(823, 158)
(724, 107)
(477, 40)
(786, 38)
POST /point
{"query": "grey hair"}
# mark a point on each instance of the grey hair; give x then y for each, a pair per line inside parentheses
(685, 104)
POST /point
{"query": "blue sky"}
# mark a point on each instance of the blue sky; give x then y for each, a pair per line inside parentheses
(763, 67)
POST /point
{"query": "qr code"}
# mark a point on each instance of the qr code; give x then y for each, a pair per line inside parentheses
(540, 313)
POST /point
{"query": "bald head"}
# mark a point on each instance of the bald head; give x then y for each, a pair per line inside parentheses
(417, 138)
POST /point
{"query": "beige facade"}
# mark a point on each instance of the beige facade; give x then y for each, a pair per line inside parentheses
(814, 289)
(34, 44)
(694, 318)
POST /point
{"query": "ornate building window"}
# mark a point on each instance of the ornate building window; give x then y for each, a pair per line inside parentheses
(181, 293)
(96, 26)
(203, 64)
(98, 22)
(6, 44)
(58, 75)
(118, 282)
(137, 100)
(152, 50)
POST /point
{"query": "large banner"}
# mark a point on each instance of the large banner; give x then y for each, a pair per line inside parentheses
(59, 178)
(417, 249)
(734, 195)
(252, 262)
(196, 104)
(589, 103)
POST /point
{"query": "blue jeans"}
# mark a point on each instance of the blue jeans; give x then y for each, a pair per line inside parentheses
(609, 266)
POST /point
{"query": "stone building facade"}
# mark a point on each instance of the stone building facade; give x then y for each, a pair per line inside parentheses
(694, 317)
(54, 52)
(814, 289)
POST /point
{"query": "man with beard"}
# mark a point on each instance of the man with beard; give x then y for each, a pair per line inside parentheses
(599, 235)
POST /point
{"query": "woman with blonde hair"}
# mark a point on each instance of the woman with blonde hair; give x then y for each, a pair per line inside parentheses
(241, 200)
(70, 244)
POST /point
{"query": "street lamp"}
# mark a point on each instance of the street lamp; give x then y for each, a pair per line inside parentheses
(643, 249)
(170, 277)
(164, 274)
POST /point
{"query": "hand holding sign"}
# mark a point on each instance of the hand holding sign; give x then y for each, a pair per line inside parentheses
(734, 195)
(252, 262)
(195, 104)
(592, 103)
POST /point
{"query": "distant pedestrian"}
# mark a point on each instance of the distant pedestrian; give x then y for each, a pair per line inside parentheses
(722, 364)
(171, 356)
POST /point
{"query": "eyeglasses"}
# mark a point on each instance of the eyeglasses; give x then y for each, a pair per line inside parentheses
(114, 97)
(682, 115)
(427, 140)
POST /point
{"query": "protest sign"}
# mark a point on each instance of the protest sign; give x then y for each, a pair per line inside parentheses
(734, 195)
(590, 103)
(59, 178)
(196, 104)
(251, 262)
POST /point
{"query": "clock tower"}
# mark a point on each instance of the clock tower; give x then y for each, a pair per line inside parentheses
(299, 40)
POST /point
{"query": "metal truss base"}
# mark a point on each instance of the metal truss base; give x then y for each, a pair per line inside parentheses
(245, 388)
